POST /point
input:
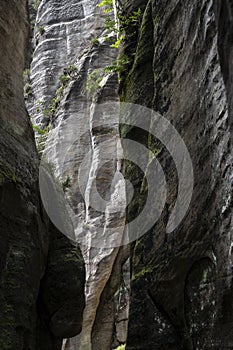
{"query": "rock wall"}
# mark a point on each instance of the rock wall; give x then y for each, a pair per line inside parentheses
(66, 82)
(182, 281)
(35, 274)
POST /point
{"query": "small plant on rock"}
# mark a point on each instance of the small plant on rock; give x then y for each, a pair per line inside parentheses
(42, 133)
(41, 30)
(121, 347)
(26, 75)
(107, 4)
(93, 81)
(35, 4)
(71, 70)
(95, 41)
(118, 66)
(64, 79)
(118, 27)
(28, 89)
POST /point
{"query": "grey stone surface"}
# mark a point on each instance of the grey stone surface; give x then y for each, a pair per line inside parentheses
(29, 245)
(182, 282)
(70, 54)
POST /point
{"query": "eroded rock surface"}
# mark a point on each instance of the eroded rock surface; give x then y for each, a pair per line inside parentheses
(67, 82)
(33, 266)
(182, 281)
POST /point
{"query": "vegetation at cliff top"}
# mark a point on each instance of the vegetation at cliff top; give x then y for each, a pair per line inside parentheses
(112, 26)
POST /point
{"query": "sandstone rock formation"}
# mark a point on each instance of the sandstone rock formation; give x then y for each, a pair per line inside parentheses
(67, 83)
(39, 267)
(175, 58)
(182, 281)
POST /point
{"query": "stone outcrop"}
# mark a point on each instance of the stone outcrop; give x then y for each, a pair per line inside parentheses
(182, 281)
(66, 83)
(36, 275)
(177, 61)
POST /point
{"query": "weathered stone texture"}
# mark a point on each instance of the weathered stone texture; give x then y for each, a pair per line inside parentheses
(70, 54)
(182, 282)
(29, 246)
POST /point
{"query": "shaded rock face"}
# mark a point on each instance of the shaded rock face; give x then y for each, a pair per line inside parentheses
(67, 82)
(223, 16)
(34, 273)
(62, 281)
(182, 282)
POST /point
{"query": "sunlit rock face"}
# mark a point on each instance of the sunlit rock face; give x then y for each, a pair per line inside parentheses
(33, 282)
(182, 281)
(68, 82)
